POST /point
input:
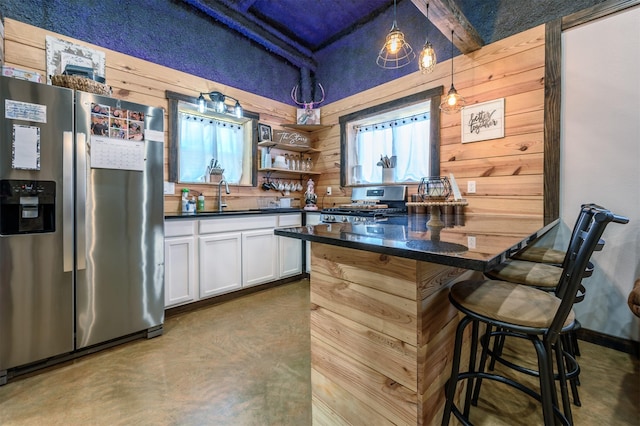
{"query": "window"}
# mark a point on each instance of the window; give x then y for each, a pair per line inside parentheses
(407, 129)
(197, 139)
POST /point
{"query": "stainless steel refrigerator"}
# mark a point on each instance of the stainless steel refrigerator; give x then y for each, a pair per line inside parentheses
(81, 223)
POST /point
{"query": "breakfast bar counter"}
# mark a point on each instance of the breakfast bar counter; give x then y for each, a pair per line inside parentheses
(382, 328)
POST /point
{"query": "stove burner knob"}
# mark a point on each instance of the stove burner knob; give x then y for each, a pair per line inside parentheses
(331, 218)
(344, 219)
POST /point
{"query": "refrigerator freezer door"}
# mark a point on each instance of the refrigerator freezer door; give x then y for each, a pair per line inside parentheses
(120, 277)
(36, 294)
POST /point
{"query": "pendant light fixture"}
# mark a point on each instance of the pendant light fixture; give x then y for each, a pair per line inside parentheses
(396, 52)
(427, 59)
(453, 102)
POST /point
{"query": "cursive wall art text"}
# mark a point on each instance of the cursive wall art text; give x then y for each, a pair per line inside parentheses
(483, 121)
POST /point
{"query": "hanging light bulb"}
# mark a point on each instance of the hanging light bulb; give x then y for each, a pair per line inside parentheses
(201, 103)
(427, 59)
(453, 102)
(396, 51)
(237, 110)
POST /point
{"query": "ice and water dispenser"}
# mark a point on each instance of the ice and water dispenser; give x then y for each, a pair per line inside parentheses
(27, 206)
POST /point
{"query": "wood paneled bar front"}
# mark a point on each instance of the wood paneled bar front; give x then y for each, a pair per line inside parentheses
(382, 327)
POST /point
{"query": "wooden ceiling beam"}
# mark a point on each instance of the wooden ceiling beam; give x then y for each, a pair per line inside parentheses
(266, 36)
(447, 16)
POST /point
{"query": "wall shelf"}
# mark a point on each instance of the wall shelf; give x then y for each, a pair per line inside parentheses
(306, 127)
(287, 171)
(272, 144)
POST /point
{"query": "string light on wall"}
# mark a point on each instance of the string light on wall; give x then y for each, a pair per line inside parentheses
(453, 102)
(219, 104)
(427, 59)
(396, 52)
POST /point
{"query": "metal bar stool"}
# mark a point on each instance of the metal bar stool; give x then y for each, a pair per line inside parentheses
(526, 312)
(543, 270)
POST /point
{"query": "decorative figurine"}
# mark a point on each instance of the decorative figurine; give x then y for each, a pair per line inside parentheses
(310, 197)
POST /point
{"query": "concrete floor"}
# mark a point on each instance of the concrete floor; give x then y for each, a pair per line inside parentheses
(246, 362)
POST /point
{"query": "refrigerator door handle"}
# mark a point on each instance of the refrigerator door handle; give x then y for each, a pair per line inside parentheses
(67, 201)
(81, 198)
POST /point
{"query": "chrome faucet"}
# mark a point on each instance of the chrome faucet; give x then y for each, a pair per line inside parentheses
(226, 188)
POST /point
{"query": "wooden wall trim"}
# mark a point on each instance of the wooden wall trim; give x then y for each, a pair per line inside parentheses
(595, 12)
(553, 92)
(552, 101)
(612, 342)
(434, 94)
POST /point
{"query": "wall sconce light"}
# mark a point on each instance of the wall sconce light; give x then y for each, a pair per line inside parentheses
(453, 102)
(396, 52)
(219, 104)
(427, 59)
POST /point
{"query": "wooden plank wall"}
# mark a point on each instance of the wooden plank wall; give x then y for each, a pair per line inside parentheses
(382, 333)
(508, 171)
(144, 82)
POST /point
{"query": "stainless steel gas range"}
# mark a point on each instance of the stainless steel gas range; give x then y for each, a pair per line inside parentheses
(371, 204)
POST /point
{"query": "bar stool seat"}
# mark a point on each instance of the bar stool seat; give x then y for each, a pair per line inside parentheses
(540, 275)
(541, 255)
(508, 302)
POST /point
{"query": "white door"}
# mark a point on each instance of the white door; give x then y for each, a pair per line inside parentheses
(290, 256)
(260, 257)
(180, 271)
(220, 263)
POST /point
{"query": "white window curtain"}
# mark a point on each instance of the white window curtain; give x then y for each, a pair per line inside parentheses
(203, 139)
(406, 138)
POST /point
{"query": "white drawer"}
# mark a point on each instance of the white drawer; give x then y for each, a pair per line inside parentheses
(240, 223)
(290, 220)
(179, 228)
(312, 218)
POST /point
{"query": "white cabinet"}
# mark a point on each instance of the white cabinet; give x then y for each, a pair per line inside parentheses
(251, 259)
(180, 276)
(289, 249)
(259, 257)
(211, 256)
(220, 263)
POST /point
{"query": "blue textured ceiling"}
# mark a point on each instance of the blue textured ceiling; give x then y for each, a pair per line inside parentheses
(314, 23)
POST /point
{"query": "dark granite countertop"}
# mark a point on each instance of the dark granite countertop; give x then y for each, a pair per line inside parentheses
(495, 236)
(228, 213)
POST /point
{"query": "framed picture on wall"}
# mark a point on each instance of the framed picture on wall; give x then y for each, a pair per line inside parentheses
(264, 132)
(483, 121)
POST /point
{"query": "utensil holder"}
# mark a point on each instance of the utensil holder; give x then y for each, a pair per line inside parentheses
(215, 174)
(388, 174)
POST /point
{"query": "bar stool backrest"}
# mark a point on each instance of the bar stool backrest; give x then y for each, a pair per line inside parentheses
(583, 223)
(591, 224)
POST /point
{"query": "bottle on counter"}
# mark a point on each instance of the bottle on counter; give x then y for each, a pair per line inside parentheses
(200, 206)
(185, 200)
(192, 204)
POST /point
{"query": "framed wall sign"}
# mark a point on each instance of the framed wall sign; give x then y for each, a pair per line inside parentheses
(483, 121)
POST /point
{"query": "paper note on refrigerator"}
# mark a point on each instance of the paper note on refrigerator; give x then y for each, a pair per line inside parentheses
(121, 154)
(25, 150)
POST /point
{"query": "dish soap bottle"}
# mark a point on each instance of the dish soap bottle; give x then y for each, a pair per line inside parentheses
(192, 204)
(185, 200)
(201, 202)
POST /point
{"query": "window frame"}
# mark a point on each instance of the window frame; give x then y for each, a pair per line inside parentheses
(434, 95)
(173, 160)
